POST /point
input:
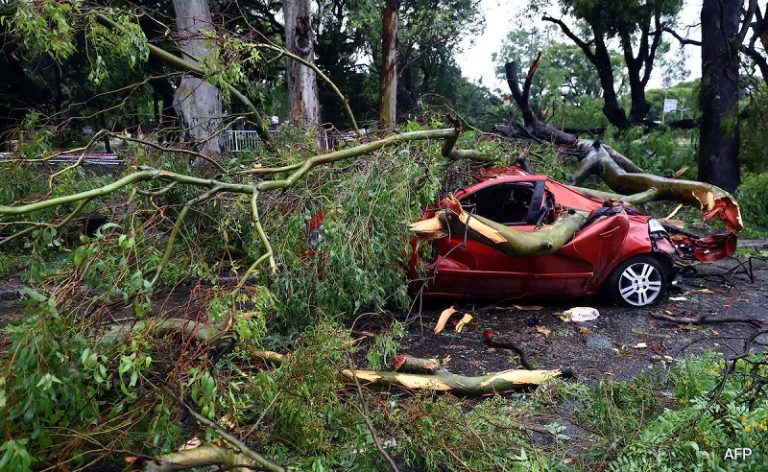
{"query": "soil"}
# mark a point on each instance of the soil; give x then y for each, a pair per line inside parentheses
(621, 344)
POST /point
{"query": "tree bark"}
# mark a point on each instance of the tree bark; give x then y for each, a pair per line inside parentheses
(198, 102)
(611, 107)
(388, 78)
(719, 97)
(302, 80)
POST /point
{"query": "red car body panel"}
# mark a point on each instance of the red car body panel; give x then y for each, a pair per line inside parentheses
(460, 268)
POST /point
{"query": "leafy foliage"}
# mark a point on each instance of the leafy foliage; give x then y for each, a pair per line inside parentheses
(358, 255)
(754, 202)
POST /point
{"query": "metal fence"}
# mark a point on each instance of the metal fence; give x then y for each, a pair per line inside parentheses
(243, 140)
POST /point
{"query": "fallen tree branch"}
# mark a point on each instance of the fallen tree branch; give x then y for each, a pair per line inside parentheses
(455, 220)
(713, 201)
(214, 186)
(220, 339)
(705, 319)
(532, 124)
(416, 365)
(488, 340)
(442, 380)
(257, 458)
(450, 135)
(617, 171)
(637, 199)
(191, 458)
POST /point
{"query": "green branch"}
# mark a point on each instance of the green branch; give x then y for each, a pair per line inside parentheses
(449, 134)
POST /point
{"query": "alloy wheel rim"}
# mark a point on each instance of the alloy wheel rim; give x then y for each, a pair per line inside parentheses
(640, 284)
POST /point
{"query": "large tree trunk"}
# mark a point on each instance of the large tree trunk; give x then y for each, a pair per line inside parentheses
(388, 78)
(719, 97)
(302, 80)
(197, 102)
(639, 105)
(601, 59)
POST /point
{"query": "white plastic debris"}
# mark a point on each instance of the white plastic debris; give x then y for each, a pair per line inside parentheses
(580, 314)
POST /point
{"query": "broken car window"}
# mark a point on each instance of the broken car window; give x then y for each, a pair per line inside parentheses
(505, 203)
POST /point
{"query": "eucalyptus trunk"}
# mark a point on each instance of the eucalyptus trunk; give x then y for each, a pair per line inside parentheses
(388, 78)
(719, 96)
(302, 80)
(198, 102)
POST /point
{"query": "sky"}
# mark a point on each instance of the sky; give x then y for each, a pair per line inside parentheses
(502, 16)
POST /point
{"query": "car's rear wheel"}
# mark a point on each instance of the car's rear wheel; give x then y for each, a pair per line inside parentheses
(638, 281)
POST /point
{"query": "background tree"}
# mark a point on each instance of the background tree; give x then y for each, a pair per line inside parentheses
(566, 88)
(197, 101)
(638, 27)
(757, 45)
(428, 37)
(339, 49)
(302, 81)
(388, 75)
(722, 33)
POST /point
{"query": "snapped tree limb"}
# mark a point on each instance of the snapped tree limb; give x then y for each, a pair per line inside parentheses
(616, 170)
(714, 202)
(438, 379)
(215, 186)
(198, 457)
(455, 220)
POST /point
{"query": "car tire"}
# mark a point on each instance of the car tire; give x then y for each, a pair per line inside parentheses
(638, 281)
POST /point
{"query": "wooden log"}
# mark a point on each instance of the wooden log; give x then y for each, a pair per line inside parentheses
(202, 456)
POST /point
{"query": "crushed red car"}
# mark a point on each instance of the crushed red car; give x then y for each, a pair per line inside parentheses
(618, 250)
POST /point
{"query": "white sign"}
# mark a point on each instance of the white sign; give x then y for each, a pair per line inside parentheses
(670, 104)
